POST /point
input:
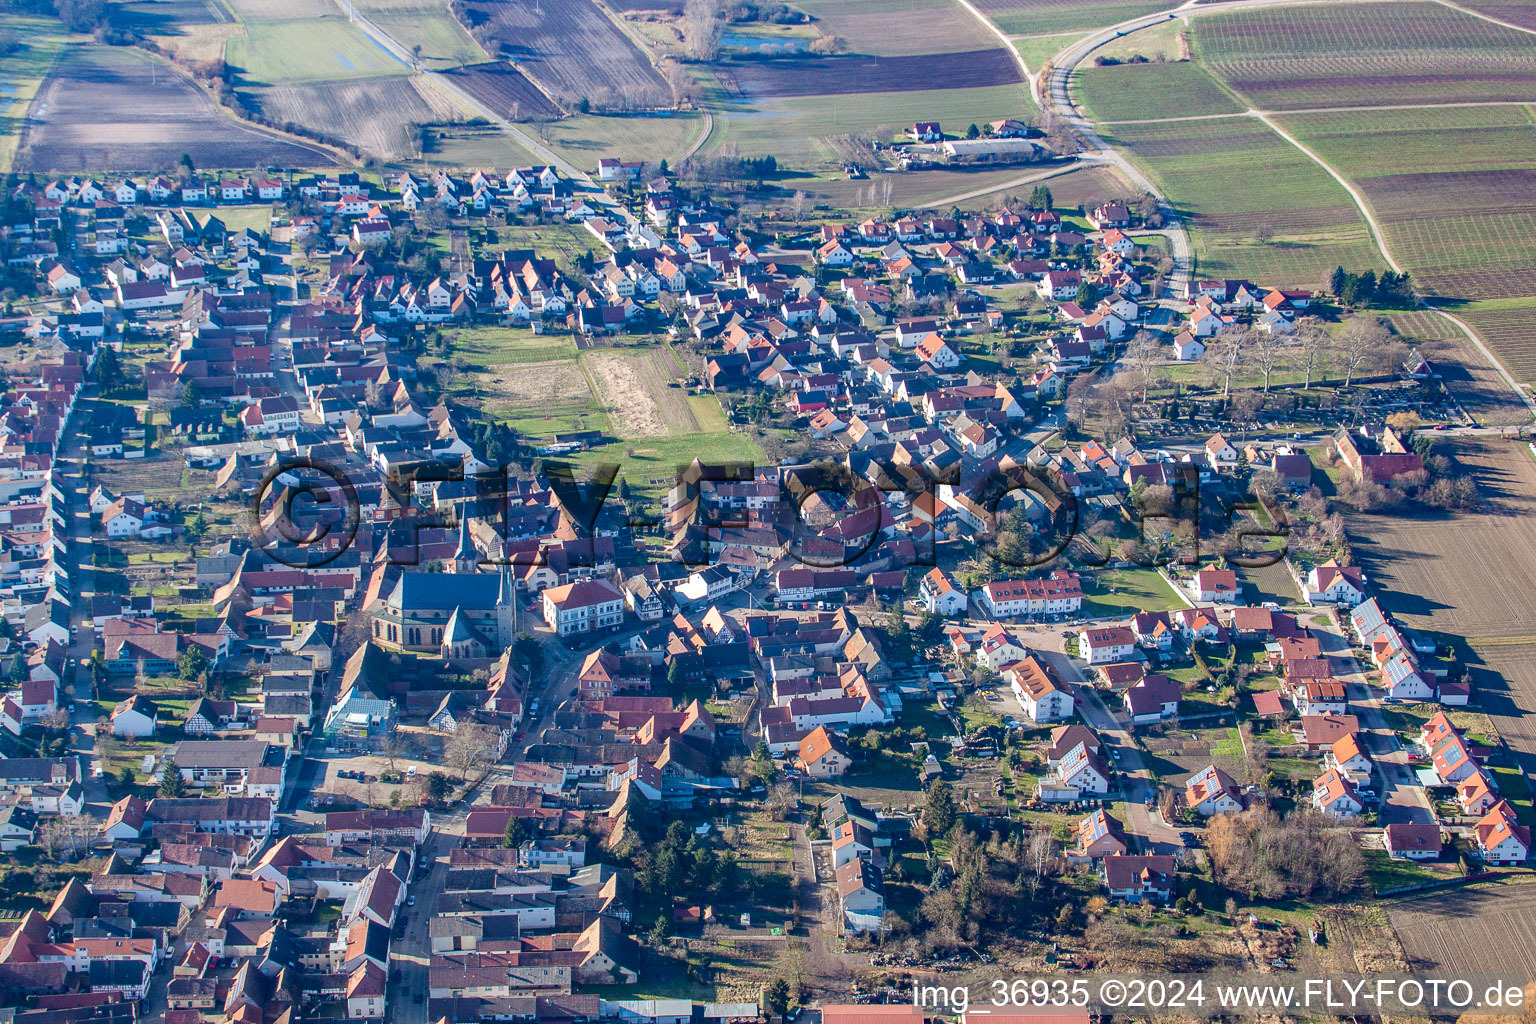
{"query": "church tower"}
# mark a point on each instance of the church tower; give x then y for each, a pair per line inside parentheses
(506, 608)
(467, 558)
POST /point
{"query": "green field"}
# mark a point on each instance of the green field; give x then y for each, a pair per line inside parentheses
(1284, 226)
(240, 218)
(1449, 188)
(313, 50)
(509, 346)
(1117, 593)
(1128, 92)
(800, 130)
(1364, 54)
(650, 465)
(443, 41)
(38, 42)
(1037, 17)
(1036, 50)
(653, 137)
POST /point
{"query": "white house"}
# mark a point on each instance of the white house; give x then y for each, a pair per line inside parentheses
(1332, 583)
(941, 594)
(1335, 795)
(1406, 841)
(1043, 697)
(1216, 586)
(1187, 348)
(1501, 839)
(1220, 454)
(583, 606)
(1105, 645)
(135, 718)
(1212, 791)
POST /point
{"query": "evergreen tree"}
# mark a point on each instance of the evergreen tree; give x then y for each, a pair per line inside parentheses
(776, 997)
(1337, 280)
(1041, 198)
(17, 671)
(171, 783)
(939, 810)
(896, 628)
(516, 834)
(108, 369)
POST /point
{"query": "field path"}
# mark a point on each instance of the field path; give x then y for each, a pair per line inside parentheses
(1011, 183)
(1381, 243)
(1486, 17)
(1328, 110)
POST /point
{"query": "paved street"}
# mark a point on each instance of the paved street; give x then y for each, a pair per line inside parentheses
(1402, 798)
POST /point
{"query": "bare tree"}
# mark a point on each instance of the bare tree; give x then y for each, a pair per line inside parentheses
(797, 204)
(1314, 346)
(1269, 351)
(1361, 343)
(394, 748)
(703, 26)
(1229, 352)
(1144, 356)
(1039, 858)
(473, 746)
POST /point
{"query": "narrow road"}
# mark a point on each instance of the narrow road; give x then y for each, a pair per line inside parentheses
(1027, 179)
(1402, 798)
(1136, 781)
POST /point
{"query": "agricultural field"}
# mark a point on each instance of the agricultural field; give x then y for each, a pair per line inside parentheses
(321, 49)
(1516, 12)
(188, 30)
(38, 44)
(1120, 593)
(1467, 575)
(1365, 54)
(538, 399)
(650, 465)
(496, 348)
(1038, 17)
(1452, 189)
(897, 28)
(632, 387)
(1285, 226)
(942, 188)
(375, 114)
(762, 78)
(570, 47)
(1165, 41)
(1451, 930)
(801, 131)
(156, 114)
(1508, 327)
(665, 135)
(1128, 92)
(1469, 375)
(444, 42)
(505, 90)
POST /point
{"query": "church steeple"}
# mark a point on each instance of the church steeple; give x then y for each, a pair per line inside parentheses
(506, 596)
(467, 558)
